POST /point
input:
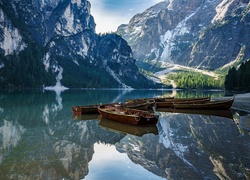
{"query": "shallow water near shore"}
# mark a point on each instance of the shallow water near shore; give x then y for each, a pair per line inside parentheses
(40, 138)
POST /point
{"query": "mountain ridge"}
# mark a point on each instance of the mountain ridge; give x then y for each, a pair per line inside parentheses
(184, 33)
(57, 38)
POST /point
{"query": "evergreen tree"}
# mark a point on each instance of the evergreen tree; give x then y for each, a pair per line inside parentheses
(238, 79)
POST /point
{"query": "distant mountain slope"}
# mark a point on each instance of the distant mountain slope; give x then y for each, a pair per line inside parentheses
(205, 34)
(43, 42)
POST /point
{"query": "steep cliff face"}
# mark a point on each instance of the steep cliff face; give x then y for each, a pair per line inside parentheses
(171, 31)
(10, 37)
(57, 42)
(226, 40)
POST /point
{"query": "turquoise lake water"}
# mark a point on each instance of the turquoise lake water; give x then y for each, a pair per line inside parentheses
(40, 138)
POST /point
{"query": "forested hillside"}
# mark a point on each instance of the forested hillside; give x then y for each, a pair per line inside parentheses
(239, 78)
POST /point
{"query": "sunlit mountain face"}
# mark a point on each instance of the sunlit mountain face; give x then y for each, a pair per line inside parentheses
(200, 34)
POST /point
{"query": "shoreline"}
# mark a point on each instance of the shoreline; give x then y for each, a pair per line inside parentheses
(242, 102)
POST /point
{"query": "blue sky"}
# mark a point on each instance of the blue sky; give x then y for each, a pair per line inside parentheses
(109, 14)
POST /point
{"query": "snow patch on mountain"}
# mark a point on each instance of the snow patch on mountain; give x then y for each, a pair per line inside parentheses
(58, 86)
(11, 40)
(221, 10)
(112, 73)
(167, 40)
(65, 26)
(46, 61)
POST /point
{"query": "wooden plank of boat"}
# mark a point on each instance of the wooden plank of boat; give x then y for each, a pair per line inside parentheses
(169, 103)
(142, 105)
(216, 104)
(127, 128)
(162, 99)
(166, 104)
(151, 103)
(127, 115)
(158, 99)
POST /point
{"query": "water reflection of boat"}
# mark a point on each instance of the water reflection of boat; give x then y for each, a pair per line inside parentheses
(84, 116)
(221, 113)
(127, 128)
(126, 115)
(215, 105)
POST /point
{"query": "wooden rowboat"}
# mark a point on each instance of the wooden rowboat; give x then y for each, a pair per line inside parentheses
(127, 115)
(142, 105)
(157, 99)
(170, 102)
(125, 128)
(216, 104)
(163, 99)
(89, 109)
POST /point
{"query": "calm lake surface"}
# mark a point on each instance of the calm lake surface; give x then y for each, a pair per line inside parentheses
(40, 138)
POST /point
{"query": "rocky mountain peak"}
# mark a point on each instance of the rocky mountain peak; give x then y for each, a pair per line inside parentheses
(170, 30)
(55, 40)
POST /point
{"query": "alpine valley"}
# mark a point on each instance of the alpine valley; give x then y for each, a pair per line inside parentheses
(53, 42)
(200, 36)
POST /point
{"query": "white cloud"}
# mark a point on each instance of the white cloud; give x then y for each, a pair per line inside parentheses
(108, 16)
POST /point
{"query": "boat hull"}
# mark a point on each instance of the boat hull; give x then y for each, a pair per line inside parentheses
(141, 105)
(170, 102)
(126, 115)
(212, 105)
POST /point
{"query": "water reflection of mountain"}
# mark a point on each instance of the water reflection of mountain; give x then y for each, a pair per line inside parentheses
(61, 150)
(39, 140)
(192, 147)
